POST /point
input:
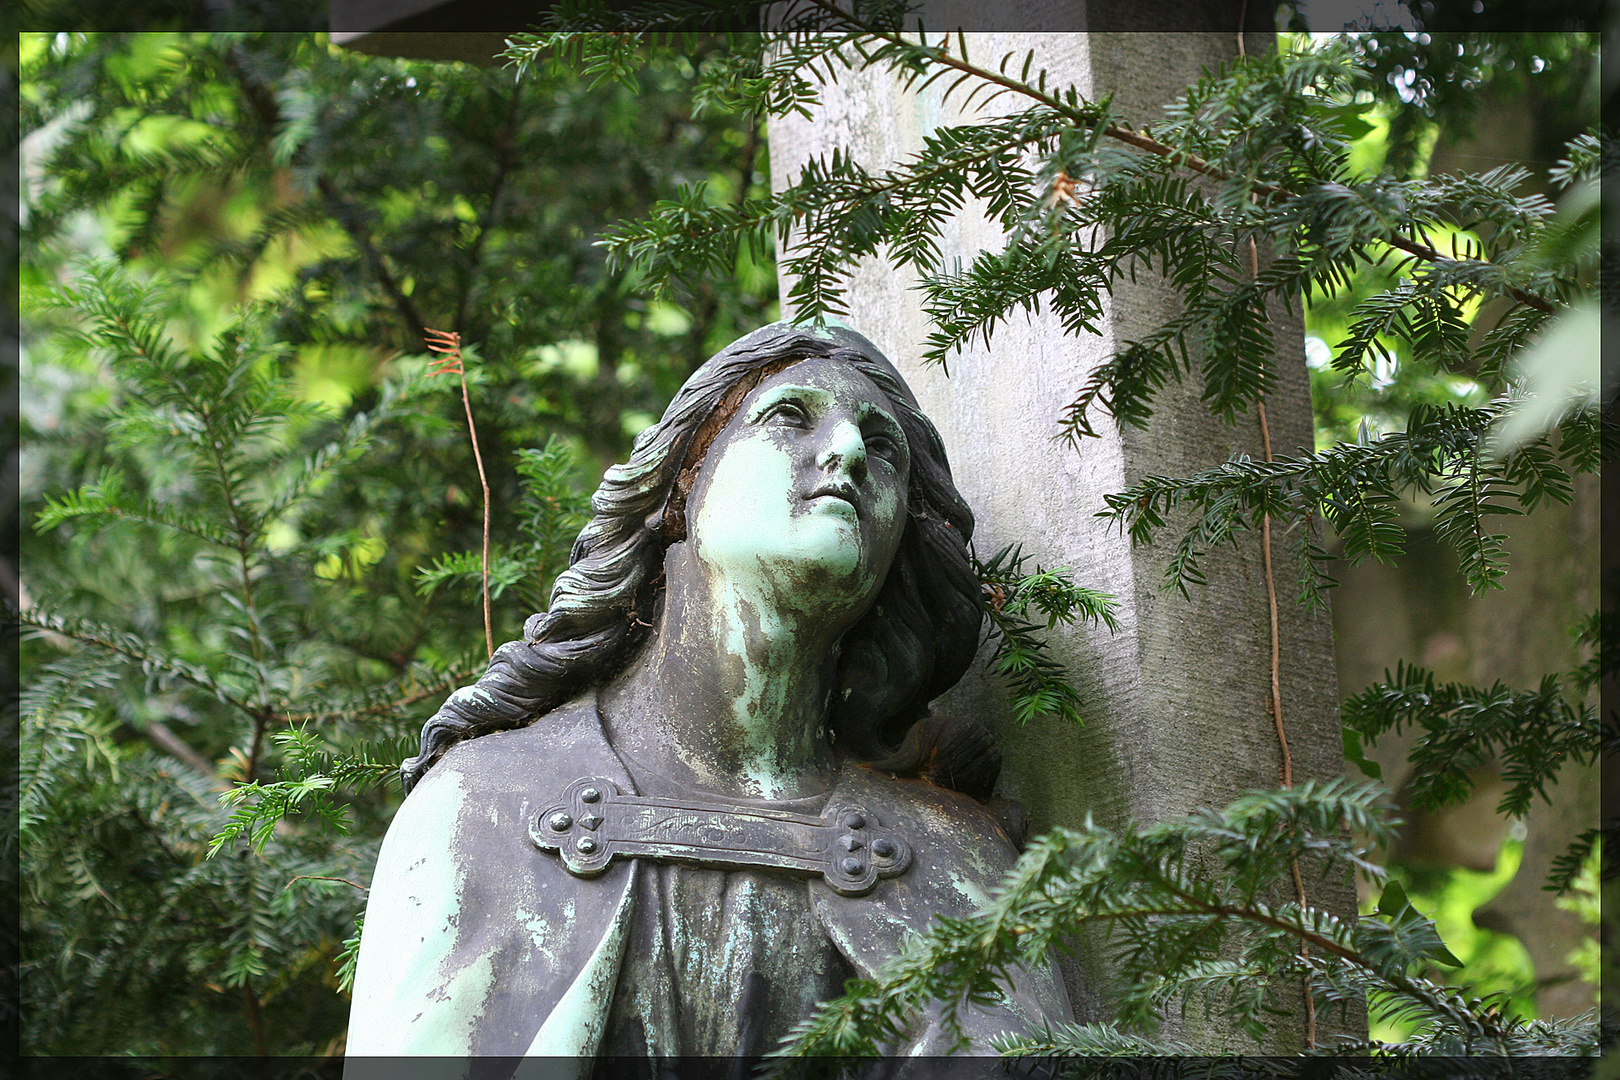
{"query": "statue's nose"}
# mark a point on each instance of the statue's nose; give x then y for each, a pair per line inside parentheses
(845, 449)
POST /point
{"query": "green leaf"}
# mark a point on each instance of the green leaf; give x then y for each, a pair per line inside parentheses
(1394, 905)
(1354, 754)
(1392, 902)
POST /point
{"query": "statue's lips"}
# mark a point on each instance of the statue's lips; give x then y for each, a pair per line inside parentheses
(832, 495)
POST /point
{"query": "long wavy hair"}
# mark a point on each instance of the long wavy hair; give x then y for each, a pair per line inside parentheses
(912, 644)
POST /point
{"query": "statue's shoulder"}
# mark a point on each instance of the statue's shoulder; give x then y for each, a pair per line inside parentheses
(486, 788)
(473, 934)
(957, 844)
(532, 762)
(959, 857)
(473, 807)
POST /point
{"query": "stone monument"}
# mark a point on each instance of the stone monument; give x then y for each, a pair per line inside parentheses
(705, 789)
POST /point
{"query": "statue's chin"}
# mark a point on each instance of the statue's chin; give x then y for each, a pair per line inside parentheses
(825, 553)
(819, 568)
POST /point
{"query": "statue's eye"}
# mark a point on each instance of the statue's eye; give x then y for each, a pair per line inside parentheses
(787, 413)
(881, 445)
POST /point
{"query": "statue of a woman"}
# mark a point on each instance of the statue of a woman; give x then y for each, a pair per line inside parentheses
(704, 790)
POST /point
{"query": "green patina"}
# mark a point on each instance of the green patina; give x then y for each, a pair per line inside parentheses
(574, 1027)
(785, 573)
(824, 328)
(422, 902)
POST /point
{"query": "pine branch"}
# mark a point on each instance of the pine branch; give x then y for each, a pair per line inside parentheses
(1039, 684)
(106, 500)
(1180, 926)
(1444, 453)
(131, 647)
(318, 776)
(1259, 189)
(1533, 733)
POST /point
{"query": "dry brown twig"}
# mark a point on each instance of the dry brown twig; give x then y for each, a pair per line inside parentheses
(447, 343)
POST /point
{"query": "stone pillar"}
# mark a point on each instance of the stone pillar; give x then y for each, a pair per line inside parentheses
(1177, 702)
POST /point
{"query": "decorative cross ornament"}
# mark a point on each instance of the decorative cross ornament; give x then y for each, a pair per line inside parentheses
(594, 822)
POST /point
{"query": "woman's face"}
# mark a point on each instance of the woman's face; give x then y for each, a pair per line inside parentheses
(804, 491)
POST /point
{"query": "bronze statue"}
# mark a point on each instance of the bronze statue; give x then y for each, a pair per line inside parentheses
(704, 789)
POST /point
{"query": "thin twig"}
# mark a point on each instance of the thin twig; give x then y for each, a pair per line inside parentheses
(255, 1019)
(1276, 710)
(448, 343)
(321, 877)
(483, 482)
(1276, 636)
(1271, 605)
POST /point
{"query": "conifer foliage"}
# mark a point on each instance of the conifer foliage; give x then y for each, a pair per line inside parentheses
(210, 456)
(1187, 902)
(243, 494)
(1254, 156)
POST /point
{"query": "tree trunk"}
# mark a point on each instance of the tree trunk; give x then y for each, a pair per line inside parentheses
(1179, 701)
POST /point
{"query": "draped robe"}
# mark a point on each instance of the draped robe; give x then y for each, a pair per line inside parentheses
(477, 943)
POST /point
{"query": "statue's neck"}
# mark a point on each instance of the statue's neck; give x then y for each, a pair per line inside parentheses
(730, 695)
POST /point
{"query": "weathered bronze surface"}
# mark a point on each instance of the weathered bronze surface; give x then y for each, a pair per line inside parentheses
(594, 823)
(665, 822)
